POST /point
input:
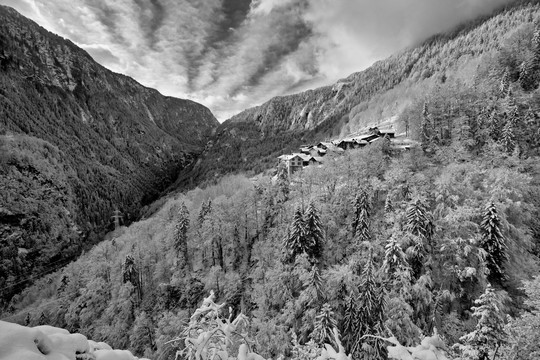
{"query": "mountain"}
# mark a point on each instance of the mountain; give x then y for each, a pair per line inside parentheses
(252, 140)
(380, 243)
(77, 143)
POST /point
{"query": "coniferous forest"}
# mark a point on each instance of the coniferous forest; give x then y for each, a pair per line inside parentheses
(429, 253)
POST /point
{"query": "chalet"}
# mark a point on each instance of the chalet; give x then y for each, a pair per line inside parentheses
(295, 161)
(347, 144)
(388, 132)
(367, 137)
(324, 148)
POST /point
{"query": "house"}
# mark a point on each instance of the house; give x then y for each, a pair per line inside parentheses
(306, 149)
(295, 161)
(347, 144)
(367, 137)
(391, 133)
(325, 148)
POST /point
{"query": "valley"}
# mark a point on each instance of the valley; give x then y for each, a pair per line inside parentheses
(412, 233)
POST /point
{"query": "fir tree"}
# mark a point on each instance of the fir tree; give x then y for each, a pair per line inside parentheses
(489, 334)
(369, 312)
(325, 322)
(180, 236)
(314, 233)
(315, 288)
(526, 74)
(349, 322)
(494, 126)
(494, 244)
(296, 242)
(507, 138)
(360, 224)
(419, 220)
(206, 208)
(394, 257)
(420, 224)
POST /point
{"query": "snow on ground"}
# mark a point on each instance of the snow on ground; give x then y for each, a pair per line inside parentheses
(50, 343)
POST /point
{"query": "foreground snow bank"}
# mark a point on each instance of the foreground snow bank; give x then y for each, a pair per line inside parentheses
(50, 343)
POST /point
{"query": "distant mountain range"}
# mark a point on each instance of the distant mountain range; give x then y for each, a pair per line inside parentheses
(252, 140)
(77, 142)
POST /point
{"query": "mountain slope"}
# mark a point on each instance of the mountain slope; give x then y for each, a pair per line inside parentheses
(426, 234)
(382, 91)
(79, 141)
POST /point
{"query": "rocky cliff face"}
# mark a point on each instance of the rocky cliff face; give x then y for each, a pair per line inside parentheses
(77, 142)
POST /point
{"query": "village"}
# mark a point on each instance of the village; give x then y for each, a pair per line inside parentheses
(315, 155)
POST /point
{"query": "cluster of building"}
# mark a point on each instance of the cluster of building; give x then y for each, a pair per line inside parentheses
(316, 154)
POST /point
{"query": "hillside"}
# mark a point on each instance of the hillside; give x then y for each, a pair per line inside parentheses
(385, 90)
(78, 142)
(435, 250)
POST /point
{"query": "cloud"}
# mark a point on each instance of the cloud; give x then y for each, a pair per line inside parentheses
(362, 31)
(233, 54)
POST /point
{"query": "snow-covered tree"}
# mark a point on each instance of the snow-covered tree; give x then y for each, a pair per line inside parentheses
(180, 236)
(394, 257)
(494, 244)
(325, 322)
(485, 340)
(314, 232)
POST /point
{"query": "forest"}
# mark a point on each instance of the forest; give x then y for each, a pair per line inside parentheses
(78, 141)
(378, 254)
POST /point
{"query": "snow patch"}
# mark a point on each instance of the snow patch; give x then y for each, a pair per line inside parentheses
(51, 343)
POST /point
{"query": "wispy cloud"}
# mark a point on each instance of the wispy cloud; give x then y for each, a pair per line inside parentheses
(232, 54)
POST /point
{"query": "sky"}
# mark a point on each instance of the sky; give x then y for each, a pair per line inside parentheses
(233, 54)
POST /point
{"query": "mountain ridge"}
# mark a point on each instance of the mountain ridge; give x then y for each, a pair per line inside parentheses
(115, 144)
(382, 91)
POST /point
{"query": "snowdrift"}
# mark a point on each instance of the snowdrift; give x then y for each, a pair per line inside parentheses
(50, 343)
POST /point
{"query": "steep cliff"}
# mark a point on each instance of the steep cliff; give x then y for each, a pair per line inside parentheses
(78, 141)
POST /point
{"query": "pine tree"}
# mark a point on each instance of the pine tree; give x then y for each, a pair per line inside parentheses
(494, 126)
(325, 322)
(494, 244)
(315, 288)
(369, 312)
(360, 224)
(180, 236)
(349, 323)
(296, 242)
(507, 138)
(419, 220)
(206, 208)
(314, 233)
(489, 333)
(420, 224)
(526, 74)
(394, 257)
